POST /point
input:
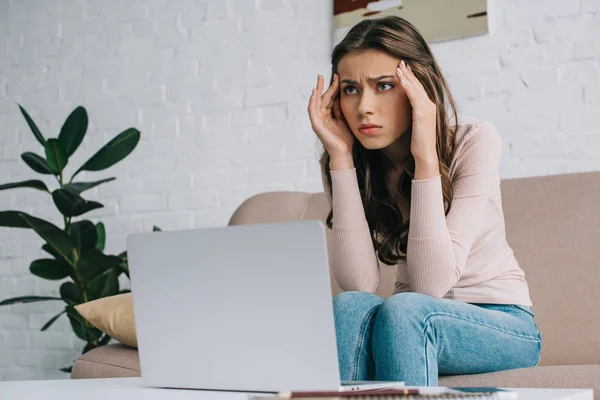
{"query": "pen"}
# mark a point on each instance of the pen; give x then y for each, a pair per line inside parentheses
(352, 393)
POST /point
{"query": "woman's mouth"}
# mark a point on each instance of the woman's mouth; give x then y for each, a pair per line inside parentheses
(369, 130)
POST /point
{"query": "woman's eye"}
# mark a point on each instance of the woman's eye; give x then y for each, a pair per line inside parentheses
(347, 89)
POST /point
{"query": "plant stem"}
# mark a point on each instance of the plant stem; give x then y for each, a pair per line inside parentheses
(78, 281)
(67, 221)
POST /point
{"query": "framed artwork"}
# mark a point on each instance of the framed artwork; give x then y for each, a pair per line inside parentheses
(437, 20)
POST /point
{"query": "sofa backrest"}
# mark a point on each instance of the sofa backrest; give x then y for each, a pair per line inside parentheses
(553, 226)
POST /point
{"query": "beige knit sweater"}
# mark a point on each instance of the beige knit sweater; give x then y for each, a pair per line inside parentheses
(462, 256)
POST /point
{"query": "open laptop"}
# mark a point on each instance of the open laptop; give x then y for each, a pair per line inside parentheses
(241, 308)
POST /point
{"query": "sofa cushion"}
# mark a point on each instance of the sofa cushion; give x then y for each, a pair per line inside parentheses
(562, 376)
(112, 315)
(110, 361)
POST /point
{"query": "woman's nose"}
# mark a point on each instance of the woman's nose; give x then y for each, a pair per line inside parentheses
(367, 104)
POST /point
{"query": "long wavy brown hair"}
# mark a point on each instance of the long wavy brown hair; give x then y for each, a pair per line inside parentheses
(398, 38)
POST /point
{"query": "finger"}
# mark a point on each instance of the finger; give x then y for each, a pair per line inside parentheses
(412, 86)
(312, 106)
(401, 75)
(406, 84)
(318, 93)
(410, 75)
(337, 109)
(335, 94)
(310, 101)
(331, 92)
(331, 101)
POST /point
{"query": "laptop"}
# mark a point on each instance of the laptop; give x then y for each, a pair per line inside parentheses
(236, 308)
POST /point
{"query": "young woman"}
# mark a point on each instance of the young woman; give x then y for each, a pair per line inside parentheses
(414, 186)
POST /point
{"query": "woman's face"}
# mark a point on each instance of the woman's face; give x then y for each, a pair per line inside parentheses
(371, 93)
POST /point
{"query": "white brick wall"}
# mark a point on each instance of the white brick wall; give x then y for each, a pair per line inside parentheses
(219, 90)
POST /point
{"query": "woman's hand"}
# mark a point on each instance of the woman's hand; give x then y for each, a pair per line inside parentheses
(424, 114)
(327, 119)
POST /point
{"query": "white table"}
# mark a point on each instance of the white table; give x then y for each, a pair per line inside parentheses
(132, 388)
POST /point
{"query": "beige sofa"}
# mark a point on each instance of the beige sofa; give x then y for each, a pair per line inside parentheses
(553, 225)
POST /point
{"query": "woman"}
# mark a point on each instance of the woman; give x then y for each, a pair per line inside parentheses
(415, 186)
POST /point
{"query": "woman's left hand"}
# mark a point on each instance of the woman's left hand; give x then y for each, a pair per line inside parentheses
(424, 114)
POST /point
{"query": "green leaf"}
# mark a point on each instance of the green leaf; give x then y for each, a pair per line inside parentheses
(103, 285)
(52, 320)
(124, 265)
(77, 326)
(93, 343)
(156, 229)
(83, 329)
(93, 333)
(51, 269)
(111, 286)
(73, 130)
(50, 251)
(105, 339)
(33, 184)
(95, 286)
(56, 156)
(112, 152)
(94, 262)
(71, 204)
(37, 163)
(84, 236)
(88, 347)
(70, 293)
(101, 233)
(12, 219)
(55, 237)
(36, 132)
(26, 299)
(79, 187)
(125, 269)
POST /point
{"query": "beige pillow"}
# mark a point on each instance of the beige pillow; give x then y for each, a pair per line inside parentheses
(112, 315)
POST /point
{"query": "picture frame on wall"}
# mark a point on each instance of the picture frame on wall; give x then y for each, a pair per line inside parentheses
(436, 20)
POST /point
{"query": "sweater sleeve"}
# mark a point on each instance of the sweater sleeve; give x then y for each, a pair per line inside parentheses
(353, 259)
(439, 245)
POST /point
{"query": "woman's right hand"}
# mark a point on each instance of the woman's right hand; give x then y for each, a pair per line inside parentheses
(327, 119)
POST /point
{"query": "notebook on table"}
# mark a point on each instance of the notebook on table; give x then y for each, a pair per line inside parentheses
(471, 393)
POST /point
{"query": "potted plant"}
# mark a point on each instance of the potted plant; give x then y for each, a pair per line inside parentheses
(76, 251)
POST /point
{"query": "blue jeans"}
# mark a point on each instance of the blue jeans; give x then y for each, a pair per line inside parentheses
(413, 337)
